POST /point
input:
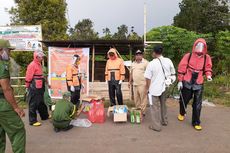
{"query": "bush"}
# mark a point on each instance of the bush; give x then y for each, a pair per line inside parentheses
(176, 41)
(218, 91)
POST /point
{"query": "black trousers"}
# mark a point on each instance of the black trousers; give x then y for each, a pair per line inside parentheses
(115, 87)
(188, 94)
(36, 103)
(75, 96)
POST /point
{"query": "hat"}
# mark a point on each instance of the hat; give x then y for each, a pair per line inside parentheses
(138, 52)
(5, 44)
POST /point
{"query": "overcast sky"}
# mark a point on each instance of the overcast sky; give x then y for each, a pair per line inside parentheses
(112, 13)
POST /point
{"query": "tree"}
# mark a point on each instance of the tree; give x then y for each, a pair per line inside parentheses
(83, 30)
(49, 13)
(203, 16)
(107, 34)
(121, 33)
(176, 41)
(133, 35)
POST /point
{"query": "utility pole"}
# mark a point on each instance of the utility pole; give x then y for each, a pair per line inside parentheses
(146, 43)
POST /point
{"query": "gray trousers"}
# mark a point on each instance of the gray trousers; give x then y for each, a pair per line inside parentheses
(159, 111)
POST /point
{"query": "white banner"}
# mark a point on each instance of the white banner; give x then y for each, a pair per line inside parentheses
(24, 38)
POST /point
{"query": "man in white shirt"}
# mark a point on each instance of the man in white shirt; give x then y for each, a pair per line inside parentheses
(137, 79)
(159, 74)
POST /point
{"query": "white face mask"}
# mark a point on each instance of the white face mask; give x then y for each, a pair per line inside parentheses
(199, 47)
(5, 56)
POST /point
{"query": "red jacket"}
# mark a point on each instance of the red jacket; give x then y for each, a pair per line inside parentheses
(34, 70)
(196, 64)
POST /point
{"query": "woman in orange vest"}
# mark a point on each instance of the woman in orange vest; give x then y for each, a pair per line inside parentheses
(73, 80)
(114, 75)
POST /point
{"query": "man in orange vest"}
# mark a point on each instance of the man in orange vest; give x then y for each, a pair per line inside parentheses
(73, 80)
(114, 74)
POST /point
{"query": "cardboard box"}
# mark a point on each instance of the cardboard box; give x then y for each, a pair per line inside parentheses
(86, 98)
(120, 117)
(118, 114)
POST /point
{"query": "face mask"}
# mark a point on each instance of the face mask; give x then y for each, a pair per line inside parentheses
(5, 56)
(199, 48)
(77, 62)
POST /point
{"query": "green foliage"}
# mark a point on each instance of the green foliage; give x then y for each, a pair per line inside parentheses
(176, 41)
(107, 34)
(122, 32)
(134, 36)
(222, 53)
(83, 30)
(49, 13)
(203, 16)
(218, 91)
(23, 59)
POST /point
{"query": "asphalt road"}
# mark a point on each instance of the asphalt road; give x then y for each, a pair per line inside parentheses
(109, 137)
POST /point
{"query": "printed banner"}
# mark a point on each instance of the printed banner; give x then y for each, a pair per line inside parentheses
(59, 58)
(23, 38)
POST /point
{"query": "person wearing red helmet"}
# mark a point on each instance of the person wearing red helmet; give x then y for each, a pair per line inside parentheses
(35, 85)
(192, 67)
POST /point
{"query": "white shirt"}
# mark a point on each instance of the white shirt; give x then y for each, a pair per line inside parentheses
(155, 73)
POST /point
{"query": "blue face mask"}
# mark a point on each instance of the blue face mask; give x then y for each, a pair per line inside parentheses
(5, 56)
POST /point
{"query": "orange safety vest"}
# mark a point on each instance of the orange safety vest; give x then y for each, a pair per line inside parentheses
(115, 67)
(72, 75)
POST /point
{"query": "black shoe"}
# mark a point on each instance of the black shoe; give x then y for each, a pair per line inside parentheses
(46, 118)
(68, 128)
(56, 130)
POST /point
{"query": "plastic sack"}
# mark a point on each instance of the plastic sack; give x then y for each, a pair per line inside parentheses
(97, 112)
(120, 109)
(87, 106)
(81, 123)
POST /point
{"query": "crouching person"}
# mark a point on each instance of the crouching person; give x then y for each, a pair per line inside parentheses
(63, 113)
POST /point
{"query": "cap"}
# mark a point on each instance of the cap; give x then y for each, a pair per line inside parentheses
(138, 52)
(5, 44)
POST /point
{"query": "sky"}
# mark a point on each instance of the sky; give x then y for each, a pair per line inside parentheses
(113, 13)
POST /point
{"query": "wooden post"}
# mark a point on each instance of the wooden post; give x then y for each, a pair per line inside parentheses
(93, 66)
(131, 87)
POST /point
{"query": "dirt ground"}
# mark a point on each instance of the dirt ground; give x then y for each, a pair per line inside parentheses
(177, 137)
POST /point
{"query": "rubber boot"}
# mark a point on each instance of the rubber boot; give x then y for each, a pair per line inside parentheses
(180, 117)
